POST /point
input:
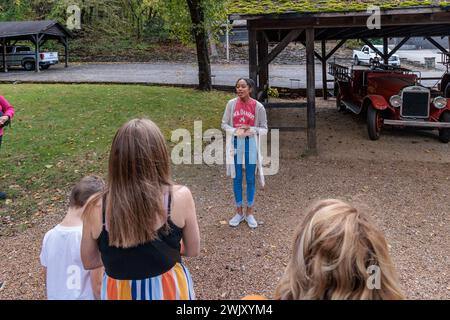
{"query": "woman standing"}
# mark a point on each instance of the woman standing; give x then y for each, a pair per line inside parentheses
(6, 114)
(244, 121)
(135, 227)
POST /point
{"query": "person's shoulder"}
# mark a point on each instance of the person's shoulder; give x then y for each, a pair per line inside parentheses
(51, 232)
(232, 101)
(181, 192)
(259, 105)
(50, 235)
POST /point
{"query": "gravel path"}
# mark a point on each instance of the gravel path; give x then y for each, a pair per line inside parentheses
(403, 178)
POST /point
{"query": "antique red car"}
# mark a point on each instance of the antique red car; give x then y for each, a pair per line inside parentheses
(391, 96)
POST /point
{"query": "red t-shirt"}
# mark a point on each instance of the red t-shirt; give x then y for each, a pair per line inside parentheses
(244, 113)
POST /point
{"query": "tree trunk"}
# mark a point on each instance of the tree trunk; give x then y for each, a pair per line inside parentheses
(201, 40)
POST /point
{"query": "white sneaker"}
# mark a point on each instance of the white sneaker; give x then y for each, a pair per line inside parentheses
(251, 221)
(236, 220)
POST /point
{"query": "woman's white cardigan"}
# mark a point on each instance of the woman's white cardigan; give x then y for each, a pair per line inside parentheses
(258, 130)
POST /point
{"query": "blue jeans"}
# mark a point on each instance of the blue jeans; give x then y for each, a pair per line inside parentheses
(245, 148)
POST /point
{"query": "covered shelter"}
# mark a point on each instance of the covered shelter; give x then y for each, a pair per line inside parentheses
(281, 22)
(38, 32)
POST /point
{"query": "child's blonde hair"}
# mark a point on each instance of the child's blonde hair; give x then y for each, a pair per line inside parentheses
(333, 249)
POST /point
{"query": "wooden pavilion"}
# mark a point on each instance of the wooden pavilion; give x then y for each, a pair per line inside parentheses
(308, 21)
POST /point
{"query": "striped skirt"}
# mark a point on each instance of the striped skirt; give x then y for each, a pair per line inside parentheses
(175, 284)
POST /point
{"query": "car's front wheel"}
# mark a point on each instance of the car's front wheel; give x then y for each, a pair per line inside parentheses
(444, 134)
(356, 61)
(374, 123)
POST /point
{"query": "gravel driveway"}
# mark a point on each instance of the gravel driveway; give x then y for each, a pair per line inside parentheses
(403, 178)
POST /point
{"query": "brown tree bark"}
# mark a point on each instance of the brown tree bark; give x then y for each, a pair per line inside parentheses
(201, 40)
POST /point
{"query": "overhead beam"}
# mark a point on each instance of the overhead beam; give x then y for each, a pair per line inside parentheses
(337, 34)
(367, 42)
(437, 45)
(397, 47)
(318, 56)
(291, 36)
(339, 45)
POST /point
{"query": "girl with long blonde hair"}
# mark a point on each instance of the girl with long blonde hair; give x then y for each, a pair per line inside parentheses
(135, 227)
(337, 254)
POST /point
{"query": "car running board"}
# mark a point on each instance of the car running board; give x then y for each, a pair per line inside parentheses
(418, 124)
(353, 107)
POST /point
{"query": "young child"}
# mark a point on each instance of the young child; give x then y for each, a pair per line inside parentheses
(338, 253)
(66, 278)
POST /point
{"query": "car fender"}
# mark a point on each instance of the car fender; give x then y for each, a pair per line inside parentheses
(377, 101)
(26, 59)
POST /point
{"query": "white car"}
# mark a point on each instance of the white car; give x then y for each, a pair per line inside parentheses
(368, 56)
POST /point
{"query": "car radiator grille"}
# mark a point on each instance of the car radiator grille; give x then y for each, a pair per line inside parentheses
(415, 105)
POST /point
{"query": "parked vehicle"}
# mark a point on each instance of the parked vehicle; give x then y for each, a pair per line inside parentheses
(390, 96)
(25, 57)
(368, 56)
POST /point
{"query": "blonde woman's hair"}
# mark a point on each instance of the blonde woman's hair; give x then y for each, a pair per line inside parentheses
(333, 249)
(138, 175)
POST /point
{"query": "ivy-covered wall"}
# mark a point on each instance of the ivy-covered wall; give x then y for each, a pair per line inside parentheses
(260, 7)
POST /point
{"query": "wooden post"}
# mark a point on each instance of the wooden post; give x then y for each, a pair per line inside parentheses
(66, 51)
(385, 51)
(253, 58)
(36, 53)
(311, 91)
(263, 52)
(5, 65)
(324, 70)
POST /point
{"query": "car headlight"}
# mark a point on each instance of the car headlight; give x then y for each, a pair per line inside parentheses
(396, 101)
(440, 102)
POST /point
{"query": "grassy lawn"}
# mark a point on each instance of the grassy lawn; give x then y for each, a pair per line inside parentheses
(62, 132)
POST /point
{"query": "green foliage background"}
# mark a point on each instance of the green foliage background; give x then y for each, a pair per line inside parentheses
(115, 26)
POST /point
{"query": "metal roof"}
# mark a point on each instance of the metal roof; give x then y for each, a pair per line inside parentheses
(15, 29)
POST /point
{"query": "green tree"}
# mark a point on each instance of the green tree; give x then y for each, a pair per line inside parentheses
(190, 20)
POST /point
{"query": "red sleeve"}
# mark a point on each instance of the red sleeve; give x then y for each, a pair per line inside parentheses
(6, 108)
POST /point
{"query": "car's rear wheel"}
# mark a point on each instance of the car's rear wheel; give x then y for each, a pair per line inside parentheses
(29, 65)
(444, 134)
(374, 123)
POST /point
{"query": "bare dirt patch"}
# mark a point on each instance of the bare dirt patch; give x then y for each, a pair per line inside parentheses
(403, 178)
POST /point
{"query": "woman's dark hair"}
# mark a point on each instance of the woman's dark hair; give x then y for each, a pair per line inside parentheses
(250, 84)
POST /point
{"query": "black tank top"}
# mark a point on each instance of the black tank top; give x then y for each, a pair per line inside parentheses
(146, 260)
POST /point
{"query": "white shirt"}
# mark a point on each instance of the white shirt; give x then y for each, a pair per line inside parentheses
(66, 277)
